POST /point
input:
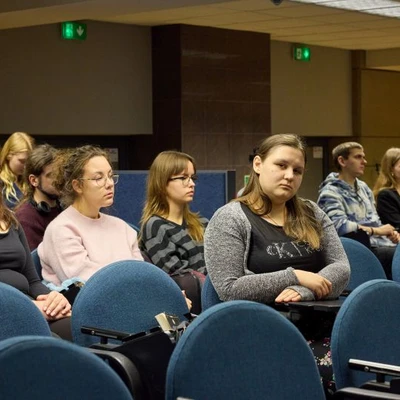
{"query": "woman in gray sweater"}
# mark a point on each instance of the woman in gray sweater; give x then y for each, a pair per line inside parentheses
(270, 245)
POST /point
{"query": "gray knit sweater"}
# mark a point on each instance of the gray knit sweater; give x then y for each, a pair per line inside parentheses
(227, 244)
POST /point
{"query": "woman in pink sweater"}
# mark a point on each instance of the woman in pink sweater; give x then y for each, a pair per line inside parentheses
(82, 240)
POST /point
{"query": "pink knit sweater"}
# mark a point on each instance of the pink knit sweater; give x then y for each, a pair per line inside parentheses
(77, 246)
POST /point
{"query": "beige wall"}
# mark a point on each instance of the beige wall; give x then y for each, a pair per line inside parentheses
(311, 98)
(98, 86)
(379, 116)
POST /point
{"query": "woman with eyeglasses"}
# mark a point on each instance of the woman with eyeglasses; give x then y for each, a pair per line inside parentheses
(81, 240)
(171, 234)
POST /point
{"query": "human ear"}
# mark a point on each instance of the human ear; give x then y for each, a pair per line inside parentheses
(257, 162)
(33, 180)
(76, 185)
(341, 161)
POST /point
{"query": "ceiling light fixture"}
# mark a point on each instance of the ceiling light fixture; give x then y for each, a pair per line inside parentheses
(386, 8)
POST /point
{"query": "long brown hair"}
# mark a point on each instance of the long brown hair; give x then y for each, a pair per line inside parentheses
(6, 215)
(385, 179)
(300, 222)
(165, 165)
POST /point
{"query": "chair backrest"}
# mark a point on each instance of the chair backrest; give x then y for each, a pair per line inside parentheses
(49, 368)
(364, 265)
(242, 350)
(125, 296)
(36, 262)
(396, 265)
(19, 316)
(209, 296)
(133, 226)
(367, 327)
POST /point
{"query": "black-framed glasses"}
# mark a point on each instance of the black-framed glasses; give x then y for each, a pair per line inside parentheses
(102, 181)
(185, 179)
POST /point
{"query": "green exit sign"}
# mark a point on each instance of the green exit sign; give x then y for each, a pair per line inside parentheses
(73, 31)
(301, 53)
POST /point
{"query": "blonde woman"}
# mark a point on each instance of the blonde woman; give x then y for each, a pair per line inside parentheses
(13, 156)
(387, 188)
(171, 234)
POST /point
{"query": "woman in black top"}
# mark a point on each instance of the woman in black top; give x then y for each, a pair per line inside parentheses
(387, 188)
(17, 269)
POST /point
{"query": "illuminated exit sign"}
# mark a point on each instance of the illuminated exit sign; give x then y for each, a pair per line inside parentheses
(301, 53)
(73, 31)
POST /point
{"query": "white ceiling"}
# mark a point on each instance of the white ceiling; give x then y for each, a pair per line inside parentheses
(290, 21)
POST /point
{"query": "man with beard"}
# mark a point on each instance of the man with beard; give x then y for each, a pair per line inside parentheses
(349, 203)
(40, 206)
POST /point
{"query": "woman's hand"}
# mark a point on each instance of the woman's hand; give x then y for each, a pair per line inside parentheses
(288, 295)
(317, 283)
(55, 305)
(188, 301)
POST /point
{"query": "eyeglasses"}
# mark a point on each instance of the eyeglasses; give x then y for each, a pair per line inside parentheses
(102, 181)
(185, 179)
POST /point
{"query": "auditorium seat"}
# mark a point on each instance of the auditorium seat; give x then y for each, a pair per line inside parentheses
(47, 368)
(396, 265)
(242, 350)
(364, 265)
(367, 327)
(209, 296)
(19, 316)
(36, 262)
(125, 296)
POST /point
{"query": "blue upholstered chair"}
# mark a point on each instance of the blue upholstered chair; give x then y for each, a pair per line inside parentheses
(36, 262)
(367, 327)
(125, 296)
(209, 296)
(46, 368)
(396, 265)
(133, 226)
(19, 316)
(364, 265)
(242, 350)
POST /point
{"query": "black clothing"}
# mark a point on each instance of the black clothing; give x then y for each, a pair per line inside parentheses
(388, 207)
(272, 250)
(16, 265)
(17, 270)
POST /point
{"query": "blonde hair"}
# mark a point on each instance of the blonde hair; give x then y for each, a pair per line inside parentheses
(69, 165)
(301, 223)
(385, 179)
(18, 142)
(165, 165)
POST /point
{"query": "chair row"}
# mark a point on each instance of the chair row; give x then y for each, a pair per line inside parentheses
(235, 350)
(242, 349)
(123, 296)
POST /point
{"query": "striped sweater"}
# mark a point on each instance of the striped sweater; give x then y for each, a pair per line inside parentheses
(170, 247)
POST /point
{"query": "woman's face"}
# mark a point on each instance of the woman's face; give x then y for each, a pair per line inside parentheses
(96, 185)
(281, 173)
(180, 189)
(16, 162)
(396, 171)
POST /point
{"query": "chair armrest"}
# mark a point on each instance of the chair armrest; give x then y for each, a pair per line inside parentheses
(125, 369)
(351, 393)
